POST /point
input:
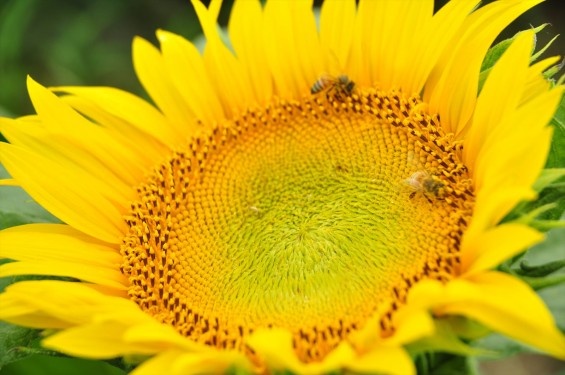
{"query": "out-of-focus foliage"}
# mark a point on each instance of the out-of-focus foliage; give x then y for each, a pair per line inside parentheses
(46, 365)
(80, 42)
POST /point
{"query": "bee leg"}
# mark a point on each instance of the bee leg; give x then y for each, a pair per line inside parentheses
(338, 93)
(428, 198)
(412, 195)
(328, 91)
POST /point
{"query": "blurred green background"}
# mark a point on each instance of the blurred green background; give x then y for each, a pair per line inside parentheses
(88, 42)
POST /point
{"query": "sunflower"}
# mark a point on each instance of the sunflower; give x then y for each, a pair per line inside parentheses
(306, 199)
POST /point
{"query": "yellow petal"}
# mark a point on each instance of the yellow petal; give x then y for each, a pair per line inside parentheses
(154, 75)
(452, 88)
(384, 38)
(9, 182)
(431, 41)
(12, 310)
(246, 22)
(161, 337)
(503, 87)
(293, 50)
(500, 302)
(337, 40)
(225, 71)
(211, 362)
(191, 78)
(412, 325)
(108, 291)
(537, 84)
(110, 277)
(128, 107)
(275, 347)
(52, 298)
(65, 191)
(67, 150)
(161, 363)
(307, 44)
(493, 204)
(396, 23)
(214, 9)
(514, 153)
(412, 322)
(384, 360)
(176, 362)
(56, 242)
(59, 118)
(491, 248)
(97, 341)
(147, 149)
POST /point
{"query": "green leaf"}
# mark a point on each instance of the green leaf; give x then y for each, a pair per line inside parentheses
(542, 50)
(553, 298)
(549, 250)
(556, 158)
(48, 365)
(547, 177)
(21, 353)
(545, 212)
(496, 51)
(501, 346)
(445, 364)
(458, 365)
(17, 207)
(17, 343)
(543, 266)
(542, 214)
(550, 184)
(237, 371)
(542, 270)
(542, 283)
(561, 80)
(446, 340)
(552, 71)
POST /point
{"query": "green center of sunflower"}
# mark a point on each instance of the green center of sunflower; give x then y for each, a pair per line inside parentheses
(307, 215)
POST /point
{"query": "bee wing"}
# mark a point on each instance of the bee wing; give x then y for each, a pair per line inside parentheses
(415, 178)
(408, 185)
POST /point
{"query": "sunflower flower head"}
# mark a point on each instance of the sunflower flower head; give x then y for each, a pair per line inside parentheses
(308, 199)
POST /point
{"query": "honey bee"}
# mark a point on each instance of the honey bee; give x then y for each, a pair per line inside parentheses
(425, 183)
(340, 85)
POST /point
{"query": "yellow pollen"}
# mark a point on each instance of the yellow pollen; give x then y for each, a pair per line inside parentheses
(310, 215)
